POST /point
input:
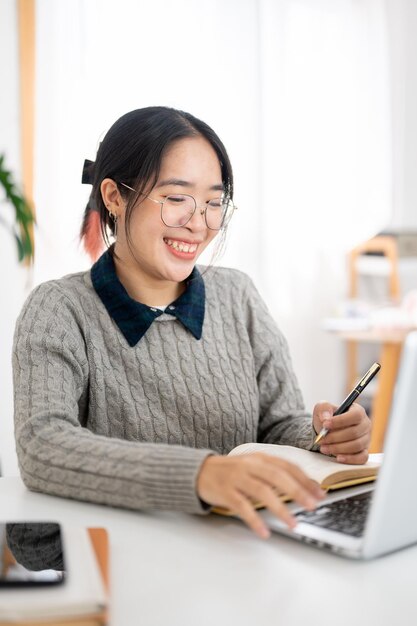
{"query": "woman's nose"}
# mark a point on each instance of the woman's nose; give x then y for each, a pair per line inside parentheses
(198, 220)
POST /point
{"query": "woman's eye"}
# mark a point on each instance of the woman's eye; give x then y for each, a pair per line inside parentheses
(217, 203)
(176, 199)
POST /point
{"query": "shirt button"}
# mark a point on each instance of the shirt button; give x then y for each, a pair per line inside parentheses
(152, 309)
(171, 307)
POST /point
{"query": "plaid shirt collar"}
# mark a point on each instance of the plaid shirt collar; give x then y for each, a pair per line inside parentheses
(134, 318)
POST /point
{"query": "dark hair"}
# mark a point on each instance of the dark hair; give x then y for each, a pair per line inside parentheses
(131, 153)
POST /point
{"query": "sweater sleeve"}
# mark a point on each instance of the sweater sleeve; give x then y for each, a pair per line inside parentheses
(282, 415)
(57, 454)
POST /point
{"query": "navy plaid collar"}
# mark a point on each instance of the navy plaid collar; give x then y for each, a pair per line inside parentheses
(134, 318)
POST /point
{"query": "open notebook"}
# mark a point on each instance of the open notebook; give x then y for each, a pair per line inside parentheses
(330, 474)
(324, 469)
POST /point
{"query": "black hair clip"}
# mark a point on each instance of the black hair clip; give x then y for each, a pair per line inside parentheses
(88, 172)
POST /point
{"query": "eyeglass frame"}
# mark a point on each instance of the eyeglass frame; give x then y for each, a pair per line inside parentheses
(161, 202)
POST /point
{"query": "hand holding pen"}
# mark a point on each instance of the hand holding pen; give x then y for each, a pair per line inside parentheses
(345, 433)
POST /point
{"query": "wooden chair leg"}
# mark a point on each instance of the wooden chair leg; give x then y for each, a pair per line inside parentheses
(381, 406)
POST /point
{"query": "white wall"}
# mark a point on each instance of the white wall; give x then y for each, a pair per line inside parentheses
(402, 32)
(14, 279)
(402, 27)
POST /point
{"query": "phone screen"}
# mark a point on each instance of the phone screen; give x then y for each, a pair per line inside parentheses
(31, 554)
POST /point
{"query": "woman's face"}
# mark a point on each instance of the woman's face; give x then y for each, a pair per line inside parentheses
(190, 166)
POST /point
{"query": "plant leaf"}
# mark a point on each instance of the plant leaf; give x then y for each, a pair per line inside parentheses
(23, 213)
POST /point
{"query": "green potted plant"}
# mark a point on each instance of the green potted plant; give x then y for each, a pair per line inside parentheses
(24, 218)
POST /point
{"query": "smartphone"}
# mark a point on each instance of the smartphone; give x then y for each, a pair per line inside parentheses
(31, 554)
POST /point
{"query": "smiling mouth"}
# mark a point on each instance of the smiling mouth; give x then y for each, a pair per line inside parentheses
(181, 246)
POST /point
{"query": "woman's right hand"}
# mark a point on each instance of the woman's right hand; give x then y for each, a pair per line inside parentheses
(235, 482)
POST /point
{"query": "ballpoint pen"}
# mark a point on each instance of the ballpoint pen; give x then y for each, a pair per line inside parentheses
(347, 402)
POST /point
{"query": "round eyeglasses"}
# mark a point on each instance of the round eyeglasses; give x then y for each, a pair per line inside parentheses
(177, 210)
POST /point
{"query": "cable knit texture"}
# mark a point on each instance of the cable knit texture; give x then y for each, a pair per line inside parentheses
(98, 420)
(36, 545)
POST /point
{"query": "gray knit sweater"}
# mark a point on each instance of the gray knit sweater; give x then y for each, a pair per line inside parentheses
(98, 420)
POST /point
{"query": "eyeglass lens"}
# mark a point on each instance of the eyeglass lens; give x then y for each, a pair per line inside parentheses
(178, 209)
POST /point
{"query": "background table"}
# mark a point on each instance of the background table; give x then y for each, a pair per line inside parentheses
(391, 342)
(174, 569)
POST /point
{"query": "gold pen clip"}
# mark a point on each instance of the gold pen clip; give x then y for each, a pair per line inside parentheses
(369, 374)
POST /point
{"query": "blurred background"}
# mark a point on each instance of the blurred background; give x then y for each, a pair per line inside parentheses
(315, 101)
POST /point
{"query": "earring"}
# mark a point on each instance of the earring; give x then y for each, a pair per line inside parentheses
(113, 217)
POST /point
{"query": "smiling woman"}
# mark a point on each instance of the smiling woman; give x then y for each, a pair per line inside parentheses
(182, 155)
(134, 380)
(151, 266)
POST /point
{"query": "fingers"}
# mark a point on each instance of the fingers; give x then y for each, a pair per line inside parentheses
(361, 431)
(353, 459)
(349, 434)
(278, 508)
(322, 412)
(354, 416)
(290, 480)
(261, 492)
(237, 483)
(270, 477)
(356, 434)
(244, 509)
(267, 474)
(347, 447)
(254, 489)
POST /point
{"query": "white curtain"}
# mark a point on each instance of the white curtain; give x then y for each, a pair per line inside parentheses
(298, 91)
(326, 165)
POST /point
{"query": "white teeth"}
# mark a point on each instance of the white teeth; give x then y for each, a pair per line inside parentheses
(182, 247)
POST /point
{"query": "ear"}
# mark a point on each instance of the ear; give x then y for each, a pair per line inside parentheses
(112, 199)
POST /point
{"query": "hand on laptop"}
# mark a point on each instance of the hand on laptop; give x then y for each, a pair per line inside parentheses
(236, 482)
(350, 432)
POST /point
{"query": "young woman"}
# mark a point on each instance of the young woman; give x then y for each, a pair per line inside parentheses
(135, 379)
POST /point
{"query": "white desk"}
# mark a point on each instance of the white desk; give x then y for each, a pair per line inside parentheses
(172, 569)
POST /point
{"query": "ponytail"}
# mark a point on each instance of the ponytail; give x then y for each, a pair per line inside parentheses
(91, 232)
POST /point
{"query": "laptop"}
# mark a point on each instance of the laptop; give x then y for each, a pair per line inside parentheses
(367, 521)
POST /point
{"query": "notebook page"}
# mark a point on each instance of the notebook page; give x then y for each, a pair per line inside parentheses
(314, 464)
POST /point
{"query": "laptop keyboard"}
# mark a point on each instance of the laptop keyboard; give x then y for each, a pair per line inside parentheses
(345, 516)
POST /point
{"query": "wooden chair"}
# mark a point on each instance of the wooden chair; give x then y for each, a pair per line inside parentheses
(387, 247)
(391, 341)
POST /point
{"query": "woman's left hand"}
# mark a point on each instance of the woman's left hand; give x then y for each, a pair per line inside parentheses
(349, 433)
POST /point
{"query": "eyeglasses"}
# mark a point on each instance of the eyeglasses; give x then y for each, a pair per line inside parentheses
(178, 209)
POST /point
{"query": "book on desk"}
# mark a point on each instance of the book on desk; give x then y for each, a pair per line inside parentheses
(82, 600)
(329, 473)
